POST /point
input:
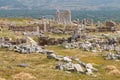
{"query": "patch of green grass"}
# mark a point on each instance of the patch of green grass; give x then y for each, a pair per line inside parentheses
(57, 35)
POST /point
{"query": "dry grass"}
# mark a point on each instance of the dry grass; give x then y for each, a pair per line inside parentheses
(57, 35)
(44, 69)
(24, 76)
(110, 67)
(114, 72)
(2, 79)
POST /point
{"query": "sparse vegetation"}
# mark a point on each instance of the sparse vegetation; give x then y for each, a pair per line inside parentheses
(42, 68)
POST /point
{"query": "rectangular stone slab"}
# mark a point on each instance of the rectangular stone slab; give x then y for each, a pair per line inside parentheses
(78, 68)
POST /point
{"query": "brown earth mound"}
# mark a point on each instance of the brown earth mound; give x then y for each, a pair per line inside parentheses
(2, 79)
(114, 72)
(110, 67)
(24, 76)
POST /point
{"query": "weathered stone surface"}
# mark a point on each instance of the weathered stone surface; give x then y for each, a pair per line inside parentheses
(67, 59)
(112, 56)
(50, 56)
(63, 17)
(89, 72)
(78, 68)
(23, 65)
(89, 66)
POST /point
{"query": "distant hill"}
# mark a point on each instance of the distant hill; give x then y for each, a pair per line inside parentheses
(60, 4)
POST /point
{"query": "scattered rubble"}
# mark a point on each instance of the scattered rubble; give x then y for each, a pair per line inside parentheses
(23, 48)
(112, 56)
(68, 64)
(94, 45)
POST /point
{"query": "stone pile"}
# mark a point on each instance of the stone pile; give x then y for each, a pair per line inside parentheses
(95, 45)
(24, 48)
(70, 45)
(7, 40)
(72, 64)
(5, 45)
(112, 56)
(86, 46)
(66, 63)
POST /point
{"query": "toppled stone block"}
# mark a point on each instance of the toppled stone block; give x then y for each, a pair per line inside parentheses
(23, 65)
(50, 56)
(78, 68)
(67, 59)
(89, 72)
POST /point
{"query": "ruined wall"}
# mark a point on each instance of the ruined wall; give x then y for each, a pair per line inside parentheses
(29, 28)
(110, 24)
(63, 17)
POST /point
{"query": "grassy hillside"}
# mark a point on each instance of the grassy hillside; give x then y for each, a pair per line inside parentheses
(44, 69)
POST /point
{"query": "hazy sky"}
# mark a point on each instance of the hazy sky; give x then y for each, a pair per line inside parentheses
(60, 4)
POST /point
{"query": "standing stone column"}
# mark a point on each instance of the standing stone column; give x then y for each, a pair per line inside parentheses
(81, 24)
(79, 27)
(78, 21)
(71, 25)
(70, 17)
(85, 23)
(91, 22)
(45, 28)
(57, 16)
(49, 22)
(64, 27)
(38, 30)
(98, 24)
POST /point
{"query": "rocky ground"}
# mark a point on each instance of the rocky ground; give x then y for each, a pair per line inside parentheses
(36, 66)
(40, 68)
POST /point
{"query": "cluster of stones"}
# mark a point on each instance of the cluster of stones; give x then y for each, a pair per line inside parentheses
(95, 44)
(23, 48)
(6, 41)
(67, 63)
(112, 56)
(109, 26)
(72, 64)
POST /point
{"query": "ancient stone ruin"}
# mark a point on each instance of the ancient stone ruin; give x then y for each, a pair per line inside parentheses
(109, 26)
(30, 28)
(63, 17)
